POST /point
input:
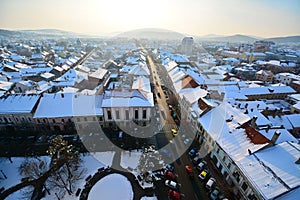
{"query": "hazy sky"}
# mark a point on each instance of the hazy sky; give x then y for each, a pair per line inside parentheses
(264, 18)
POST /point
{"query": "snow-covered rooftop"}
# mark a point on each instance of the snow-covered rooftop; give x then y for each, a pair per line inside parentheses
(19, 103)
(127, 98)
(68, 105)
(141, 83)
(273, 170)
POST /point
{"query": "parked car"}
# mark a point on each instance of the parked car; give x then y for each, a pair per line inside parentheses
(174, 132)
(214, 194)
(201, 165)
(197, 159)
(170, 167)
(203, 175)
(189, 170)
(171, 184)
(158, 94)
(192, 153)
(170, 175)
(221, 196)
(174, 195)
(210, 183)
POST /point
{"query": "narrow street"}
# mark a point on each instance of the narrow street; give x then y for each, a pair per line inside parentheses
(191, 188)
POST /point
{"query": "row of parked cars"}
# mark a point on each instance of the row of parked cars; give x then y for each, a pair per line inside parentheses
(171, 183)
(205, 177)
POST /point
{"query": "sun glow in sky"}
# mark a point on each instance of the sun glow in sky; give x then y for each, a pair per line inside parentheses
(264, 18)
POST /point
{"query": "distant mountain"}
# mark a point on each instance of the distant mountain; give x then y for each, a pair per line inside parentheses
(211, 36)
(158, 34)
(39, 34)
(232, 39)
(292, 39)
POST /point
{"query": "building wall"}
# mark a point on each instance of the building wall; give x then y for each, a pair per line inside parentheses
(21, 121)
(120, 114)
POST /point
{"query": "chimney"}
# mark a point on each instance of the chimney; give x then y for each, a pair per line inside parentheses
(253, 121)
(275, 137)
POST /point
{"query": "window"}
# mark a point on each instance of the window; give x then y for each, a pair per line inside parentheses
(100, 119)
(69, 120)
(218, 150)
(108, 114)
(17, 119)
(252, 197)
(229, 165)
(78, 119)
(38, 120)
(117, 114)
(136, 114)
(94, 118)
(85, 119)
(44, 120)
(237, 176)
(29, 119)
(224, 158)
(127, 114)
(53, 120)
(62, 120)
(244, 186)
(144, 114)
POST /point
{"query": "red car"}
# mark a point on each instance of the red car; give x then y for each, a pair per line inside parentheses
(174, 195)
(170, 175)
(190, 171)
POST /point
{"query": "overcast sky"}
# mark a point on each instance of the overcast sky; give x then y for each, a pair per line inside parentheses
(264, 18)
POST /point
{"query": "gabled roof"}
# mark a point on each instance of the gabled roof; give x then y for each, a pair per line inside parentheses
(273, 171)
(68, 105)
(141, 70)
(18, 103)
(141, 83)
(127, 98)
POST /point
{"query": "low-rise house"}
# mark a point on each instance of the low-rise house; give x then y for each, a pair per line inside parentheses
(98, 77)
(272, 92)
(246, 158)
(286, 78)
(263, 75)
(127, 105)
(68, 111)
(17, 110)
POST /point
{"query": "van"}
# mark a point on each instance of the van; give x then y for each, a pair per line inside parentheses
(210, 183)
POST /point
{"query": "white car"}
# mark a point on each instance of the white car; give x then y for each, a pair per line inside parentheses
(171, 184)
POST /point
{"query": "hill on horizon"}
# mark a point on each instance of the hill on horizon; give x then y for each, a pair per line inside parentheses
(151, 33)
(146, 33)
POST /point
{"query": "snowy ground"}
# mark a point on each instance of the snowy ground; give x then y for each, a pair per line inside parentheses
(91, 162)
(112, 187)
(130, 159)
(149, 198)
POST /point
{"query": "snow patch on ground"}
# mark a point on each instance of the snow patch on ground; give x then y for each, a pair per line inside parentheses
(149, 198)
(91, 162)
(130, 159)
(112, 187)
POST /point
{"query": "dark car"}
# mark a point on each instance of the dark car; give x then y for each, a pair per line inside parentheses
(214, 194)
(170, 167)
(158, 94)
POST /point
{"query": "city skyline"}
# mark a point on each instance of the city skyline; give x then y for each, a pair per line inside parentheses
(258, 18)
